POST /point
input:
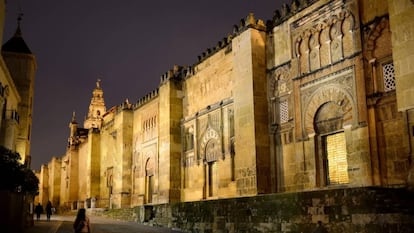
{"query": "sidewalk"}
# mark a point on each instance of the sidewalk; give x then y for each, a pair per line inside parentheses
(63, 224)
(51, 226)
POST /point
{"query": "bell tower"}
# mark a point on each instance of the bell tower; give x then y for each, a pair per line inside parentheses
(96, 108)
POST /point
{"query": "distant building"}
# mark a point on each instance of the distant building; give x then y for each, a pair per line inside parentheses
(319, 97)
(18, 68)
(17, 73)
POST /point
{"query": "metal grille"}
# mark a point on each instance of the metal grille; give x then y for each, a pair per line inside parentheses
(336, 159)
(284, 111)
(389, 77)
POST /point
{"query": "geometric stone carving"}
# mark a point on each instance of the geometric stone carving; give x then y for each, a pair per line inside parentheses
(337, 88)
(336, 44)
(314, 51)
(284, 111)
(210, 146)
(279, 82)
(317, 44)
(389, 77)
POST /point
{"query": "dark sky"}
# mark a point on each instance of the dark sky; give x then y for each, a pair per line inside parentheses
(127, 43)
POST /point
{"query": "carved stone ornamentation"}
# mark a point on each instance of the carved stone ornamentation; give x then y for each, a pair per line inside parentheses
(337, 87)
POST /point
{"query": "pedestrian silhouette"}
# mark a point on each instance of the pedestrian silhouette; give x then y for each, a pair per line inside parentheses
(38, 211)
(48, 210)
(81, 223)
(319, 228)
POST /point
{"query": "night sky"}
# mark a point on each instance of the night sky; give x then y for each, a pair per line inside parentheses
(128, 44)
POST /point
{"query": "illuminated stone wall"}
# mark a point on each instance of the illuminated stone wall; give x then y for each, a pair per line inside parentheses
(316, 88)
(389, 127)
(115, 156)
(257, 114)
(400, 13)
(83, 174)
(43, 176)
(206, 99)
(17, 71)
(22, 68)
(221, 123)
(325, 80)
(169, 139)
(145, 172)
(55, 166)
(250, 121)
(402, 45)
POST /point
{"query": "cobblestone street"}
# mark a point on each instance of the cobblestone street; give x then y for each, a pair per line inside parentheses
(63, 224)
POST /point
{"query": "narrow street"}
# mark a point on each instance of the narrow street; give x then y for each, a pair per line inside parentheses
(63, 224)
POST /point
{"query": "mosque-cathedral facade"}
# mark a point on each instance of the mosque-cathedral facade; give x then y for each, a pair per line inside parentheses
(319, 97)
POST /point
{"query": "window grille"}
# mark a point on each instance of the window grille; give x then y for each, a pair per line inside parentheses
(284, 111)
(389, 77)
(337, 163)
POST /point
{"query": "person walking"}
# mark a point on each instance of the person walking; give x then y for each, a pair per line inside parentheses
(320, 228)
(48, 210)
(38, 211)
(81, 223)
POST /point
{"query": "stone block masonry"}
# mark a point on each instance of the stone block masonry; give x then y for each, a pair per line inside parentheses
(350, 210)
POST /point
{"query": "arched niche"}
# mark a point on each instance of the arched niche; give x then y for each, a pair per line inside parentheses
(331, 93)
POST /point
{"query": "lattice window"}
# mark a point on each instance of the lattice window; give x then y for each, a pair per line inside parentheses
(284, 111)
(389, 77)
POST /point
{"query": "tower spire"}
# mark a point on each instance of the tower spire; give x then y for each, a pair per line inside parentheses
(18, 32)
(96, 108)
(73, 117)
(98, 83)
(16, 44)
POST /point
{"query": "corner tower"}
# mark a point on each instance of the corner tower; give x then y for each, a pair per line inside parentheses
(21, 64)
(96, 108)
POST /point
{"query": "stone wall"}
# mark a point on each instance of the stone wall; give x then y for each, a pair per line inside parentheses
(402, 45)
(369, 209)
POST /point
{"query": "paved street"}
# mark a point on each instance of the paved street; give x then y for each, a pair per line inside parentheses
(63, 224)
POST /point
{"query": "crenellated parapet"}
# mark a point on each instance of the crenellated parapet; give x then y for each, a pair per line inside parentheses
(244, 24)
(226, 41)
(286, 11)
(126, 105)
(180, 72)
(145, 99)
(176, 73)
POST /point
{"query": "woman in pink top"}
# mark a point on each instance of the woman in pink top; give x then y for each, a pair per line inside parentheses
(81, 223)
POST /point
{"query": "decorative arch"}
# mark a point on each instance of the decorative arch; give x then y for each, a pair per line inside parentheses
(314, 49)
(331, 93)
(304, 53)
(336, 34)
(210, 138)
(348, 32)
(328, 118)
(334, 24)
(212, 151)
(325, 42)
(281, 73)
(149, 179)
(272, 89)
(348, 19)
(296, 47)
(374, 34)
(149, 167)
(377, 51)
